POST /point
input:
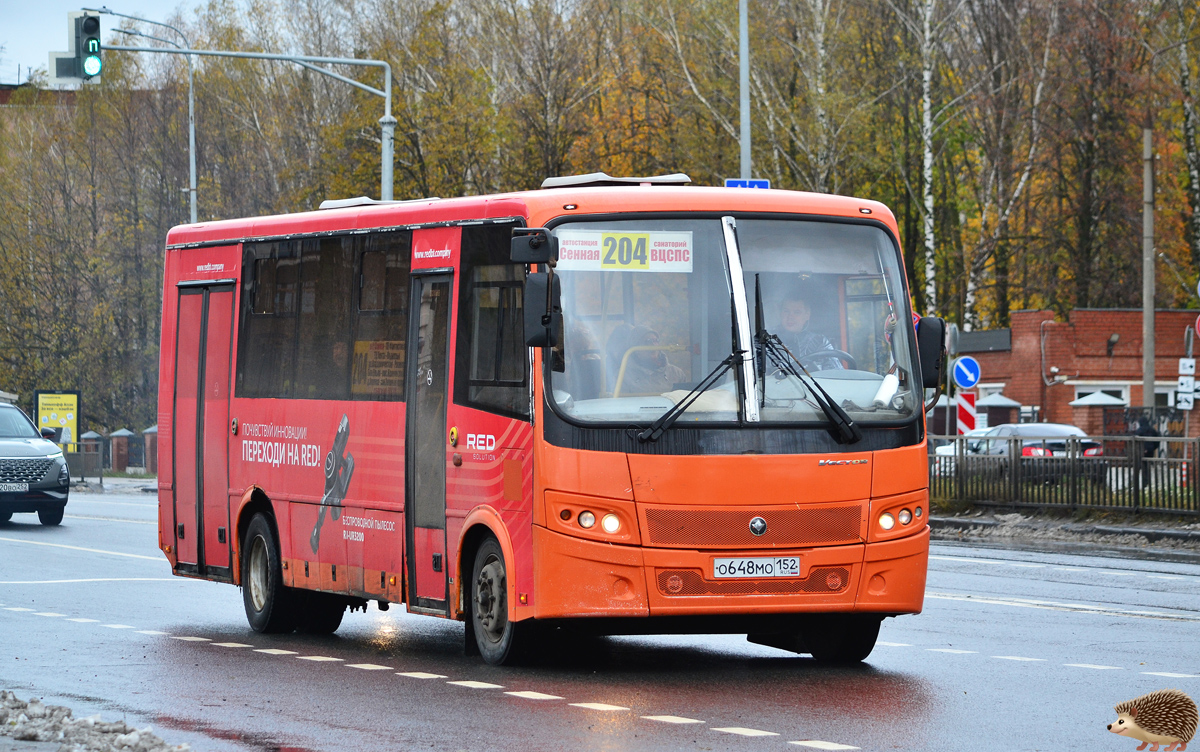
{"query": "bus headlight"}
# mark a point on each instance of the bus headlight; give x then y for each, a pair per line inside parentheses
(611, 523)
(887, 521)
(905, 516)
(586, 519)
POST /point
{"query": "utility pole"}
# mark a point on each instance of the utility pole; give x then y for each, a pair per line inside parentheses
(744, 85)
(1148, 262)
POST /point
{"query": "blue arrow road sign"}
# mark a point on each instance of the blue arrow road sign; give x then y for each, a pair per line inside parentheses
(736, 183)
(967, 372)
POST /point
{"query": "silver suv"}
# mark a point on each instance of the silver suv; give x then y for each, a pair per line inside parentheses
(33, 471)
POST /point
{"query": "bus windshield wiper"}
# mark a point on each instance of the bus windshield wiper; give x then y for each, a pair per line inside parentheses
(770, 347)
(656, 429)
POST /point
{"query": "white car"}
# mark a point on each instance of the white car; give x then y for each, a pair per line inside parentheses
(944, 455)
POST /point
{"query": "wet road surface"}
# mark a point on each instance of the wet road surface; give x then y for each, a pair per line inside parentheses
(1015, 650)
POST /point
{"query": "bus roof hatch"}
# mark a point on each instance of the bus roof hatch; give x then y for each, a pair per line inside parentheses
(600, 179)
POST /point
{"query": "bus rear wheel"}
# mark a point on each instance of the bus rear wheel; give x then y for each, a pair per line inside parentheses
(269, 604)
(842, 638)
(499, 640)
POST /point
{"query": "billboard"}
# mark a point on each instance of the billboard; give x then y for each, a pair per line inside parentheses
(59, 410)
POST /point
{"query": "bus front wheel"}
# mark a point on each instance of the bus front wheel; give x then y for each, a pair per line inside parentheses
(499, 640)
(268, 602)
(842, 638)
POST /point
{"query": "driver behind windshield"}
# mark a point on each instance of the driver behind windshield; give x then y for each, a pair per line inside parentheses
(795, 315)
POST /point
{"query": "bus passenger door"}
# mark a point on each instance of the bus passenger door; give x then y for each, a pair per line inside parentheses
(201, 425)
(428, 391)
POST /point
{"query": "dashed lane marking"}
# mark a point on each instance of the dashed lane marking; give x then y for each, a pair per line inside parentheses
(419, 675)
(1170, 675)
(476, 684)
(16, 608)
(951, 650)
(998, 562)
(81, 620)
(90, 579)
(117, 626)
(1070, 569)
(745, 731)
(192, 639)
(81, 548)
(275, 651)
(1094, 666)
(318, 658)
(1082, 608)
(893, 644)
(597, 706)
(232, 645)
(1016, 658)
(670, 719)
(533, 695)
(109, 519)
(1163, 577)
(46, 613)
(369, 666)
(150, 631)
(818, 744)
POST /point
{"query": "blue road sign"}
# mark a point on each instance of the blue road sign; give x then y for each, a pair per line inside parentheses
(967, 372)
(738, 183)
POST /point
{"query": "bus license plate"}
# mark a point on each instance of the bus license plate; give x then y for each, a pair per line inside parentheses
(777, 566)
(14, 487)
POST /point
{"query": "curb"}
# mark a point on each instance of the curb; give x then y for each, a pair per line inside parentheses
(1151, 535)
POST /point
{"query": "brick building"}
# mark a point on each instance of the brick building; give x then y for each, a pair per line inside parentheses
(1045, 364)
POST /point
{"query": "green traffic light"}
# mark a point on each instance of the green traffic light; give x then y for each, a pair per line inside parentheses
(92, 66)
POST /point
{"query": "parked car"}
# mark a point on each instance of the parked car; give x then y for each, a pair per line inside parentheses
(1044, 451)
(945, 454)
(33, 471)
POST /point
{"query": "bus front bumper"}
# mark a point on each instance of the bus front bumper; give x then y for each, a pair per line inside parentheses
(582, 578)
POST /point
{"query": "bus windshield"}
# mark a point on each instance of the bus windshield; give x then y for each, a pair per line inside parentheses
(648, 313)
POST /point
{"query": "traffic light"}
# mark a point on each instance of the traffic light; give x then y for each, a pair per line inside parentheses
(87, 46)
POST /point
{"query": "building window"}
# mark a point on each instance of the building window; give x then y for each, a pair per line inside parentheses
(1120, 392)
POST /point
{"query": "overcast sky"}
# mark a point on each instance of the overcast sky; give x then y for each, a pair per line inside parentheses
(31, 29)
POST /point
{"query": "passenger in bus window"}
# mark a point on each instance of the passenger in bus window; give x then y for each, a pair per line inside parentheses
(795, 313)
(647, 370)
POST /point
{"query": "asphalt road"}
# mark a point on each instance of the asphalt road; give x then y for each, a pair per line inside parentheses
(1015, 651)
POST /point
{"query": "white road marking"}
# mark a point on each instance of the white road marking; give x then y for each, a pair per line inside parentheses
(192, 639)
(670, 719)
(1056, 606)
(476, 684)
(318, 658)
(16, 608)
(1120, 574)
(1070, 569)
(232, 645)
(150, 631)
(893, 644)
(109, 519)
(90, 579)
(369, 666)
(528, 695)
(81, 548)
(998, 562)
(744, 731)
(84, 621)
(275, 651)
(46, 613)
(597, 706)
(1093, 665)
(117, 626)
(1163, 577)
(419, 675)
(142, 504)
(1170, 675)
(1016, 658)
(951, 650)
(818, 744)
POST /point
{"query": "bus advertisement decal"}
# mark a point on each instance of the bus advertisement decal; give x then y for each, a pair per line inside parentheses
(339, 468)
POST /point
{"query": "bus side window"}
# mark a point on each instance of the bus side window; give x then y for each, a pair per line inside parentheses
(381, 316)
(491, 365)
(267, 333)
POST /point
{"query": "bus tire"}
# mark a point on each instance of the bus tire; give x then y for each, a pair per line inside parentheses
(319, 613)
(499, 640)
(5, 516)
(51, 516)
(268, 602)
(842, 638)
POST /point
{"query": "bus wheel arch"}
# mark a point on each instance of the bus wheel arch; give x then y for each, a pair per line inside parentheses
(483, 521)
(254, 501)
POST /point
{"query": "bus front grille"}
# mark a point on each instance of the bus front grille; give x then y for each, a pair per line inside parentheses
(679, 582)
(726, 528)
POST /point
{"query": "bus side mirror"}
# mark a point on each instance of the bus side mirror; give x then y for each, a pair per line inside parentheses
(533, 245)
(931, 350)
(543, 309)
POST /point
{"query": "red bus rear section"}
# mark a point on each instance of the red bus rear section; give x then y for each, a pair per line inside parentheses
(348, 412)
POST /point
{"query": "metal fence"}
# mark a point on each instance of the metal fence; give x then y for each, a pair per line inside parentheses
(1130, 473)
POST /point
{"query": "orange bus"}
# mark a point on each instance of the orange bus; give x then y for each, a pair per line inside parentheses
(621, 405)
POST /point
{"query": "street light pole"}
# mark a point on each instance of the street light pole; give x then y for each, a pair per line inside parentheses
(744, 86)
(191, 92)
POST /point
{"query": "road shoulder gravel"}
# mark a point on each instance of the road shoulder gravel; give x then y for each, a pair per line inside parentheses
(34, 726)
